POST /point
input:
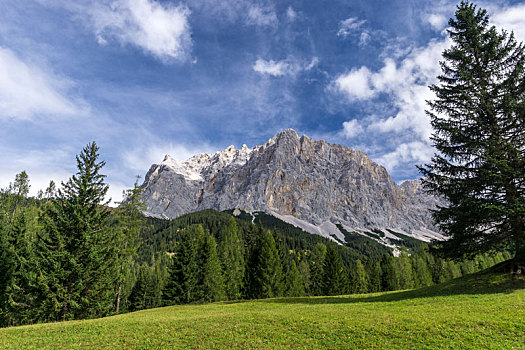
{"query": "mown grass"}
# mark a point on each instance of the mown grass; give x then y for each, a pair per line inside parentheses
(481, 311)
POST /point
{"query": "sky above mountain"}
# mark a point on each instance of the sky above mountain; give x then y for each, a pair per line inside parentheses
(144, 78)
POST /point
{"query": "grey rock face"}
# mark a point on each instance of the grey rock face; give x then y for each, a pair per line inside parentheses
(313, 181)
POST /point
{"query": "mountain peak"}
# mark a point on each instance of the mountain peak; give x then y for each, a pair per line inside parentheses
(286, 133)
(299, 179)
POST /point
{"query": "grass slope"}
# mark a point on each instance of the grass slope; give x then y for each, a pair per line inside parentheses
(480, 311)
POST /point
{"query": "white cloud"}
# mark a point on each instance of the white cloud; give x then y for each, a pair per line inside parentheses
(406, 83)
(162, 30)
(28, 91)
(511, 18)
(291, 14)
(352, 128)
(289, 67)
(261, 16)
(437, 21)
(356, 84)
(415, 152)
(349, 26)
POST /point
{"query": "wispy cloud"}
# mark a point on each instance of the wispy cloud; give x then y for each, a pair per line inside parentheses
(261, 16)
(291, 14)
(28, 91)
(290, 66)
(350, 26)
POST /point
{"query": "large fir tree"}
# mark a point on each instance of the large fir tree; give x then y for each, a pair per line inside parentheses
(265, 267)
(231, 254)
(335, 277)
(75, 251)
(478, 118)
(129, 223)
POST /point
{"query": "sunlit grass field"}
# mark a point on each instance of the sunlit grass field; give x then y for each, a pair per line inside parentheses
(481, 311)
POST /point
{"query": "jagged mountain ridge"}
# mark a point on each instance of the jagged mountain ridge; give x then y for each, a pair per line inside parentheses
(311, 184)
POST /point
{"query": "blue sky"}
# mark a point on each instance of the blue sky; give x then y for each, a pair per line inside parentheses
(144, 78)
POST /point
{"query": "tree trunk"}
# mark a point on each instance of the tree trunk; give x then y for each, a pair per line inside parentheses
(118, 297)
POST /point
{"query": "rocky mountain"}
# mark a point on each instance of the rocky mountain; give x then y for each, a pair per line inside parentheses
(311, 184)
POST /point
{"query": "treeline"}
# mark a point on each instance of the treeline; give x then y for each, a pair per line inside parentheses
(212, 256)
(66, 255)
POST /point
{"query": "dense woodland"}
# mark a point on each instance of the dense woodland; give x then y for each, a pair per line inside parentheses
(66, 255)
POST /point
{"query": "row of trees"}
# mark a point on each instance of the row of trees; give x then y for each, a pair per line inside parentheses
(201, 270)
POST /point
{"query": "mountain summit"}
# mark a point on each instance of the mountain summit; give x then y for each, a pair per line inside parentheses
(311, 184)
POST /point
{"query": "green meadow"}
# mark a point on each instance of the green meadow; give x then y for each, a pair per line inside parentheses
(480, 311)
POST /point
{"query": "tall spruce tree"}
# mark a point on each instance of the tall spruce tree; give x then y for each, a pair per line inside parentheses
(231, 254)
(210, 285)
(265, 267)
(334, 273)
(182, 274)
(358, 278)
(6, 270)
(129, 224)
(293, 281)
(316, 263)
(478, 118)
(75, 251)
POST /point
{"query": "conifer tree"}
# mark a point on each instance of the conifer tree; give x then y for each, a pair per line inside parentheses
(144, 292)
(422, 275)
(231, 254)
(265, 268)
(211, 284)
(129, 224)
(182, 275)
(405, 273)
(359, 280)
(390, 273)
(293, 281)
(75, 253)
(304, 271)
(373, 269)
(6, 270)
(334, 281)
(479, 130)
(316, 263)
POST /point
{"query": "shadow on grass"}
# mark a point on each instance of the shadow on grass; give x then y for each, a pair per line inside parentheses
(485, 282)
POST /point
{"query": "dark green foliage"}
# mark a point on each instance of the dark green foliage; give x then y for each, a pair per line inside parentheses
(142, 295)
(264, 268)
(334, 274)
(293, 281)
(358, 278)
(317, 269)
(373, 271)
(6, 272)
(210, 285)
(182, 278)
(75, 252)
(231, 254)
(479, 130)
(129, 224)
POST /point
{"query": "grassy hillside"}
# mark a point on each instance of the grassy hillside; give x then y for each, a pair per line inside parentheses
(479, 311)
